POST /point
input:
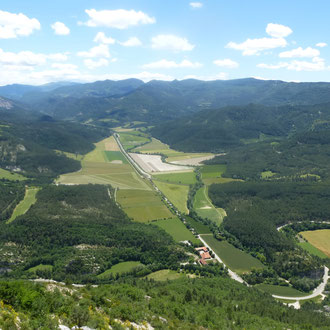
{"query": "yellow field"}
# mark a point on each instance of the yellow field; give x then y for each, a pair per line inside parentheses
(319, 238)
(98, 170)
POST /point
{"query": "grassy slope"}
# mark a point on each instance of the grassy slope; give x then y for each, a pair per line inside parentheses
(320, 239)
(164, 275)
(285, 291)
(4, 174)
(198, 226)
(177, 194)
(176, 229)
(25, 204)
(122, 267)
(181, 178)
(234, 258)
(312, 249)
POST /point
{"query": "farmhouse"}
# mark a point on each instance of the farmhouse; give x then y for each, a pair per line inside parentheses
(204, 254)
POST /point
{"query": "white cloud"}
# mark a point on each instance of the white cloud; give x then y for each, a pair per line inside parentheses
(24, 58)
(60, 29)
(119, 19)
(255, 46)
(316, 64)
(64, 66)
(165, 64)
(227, 63)
(218, 76)
(196, 5)
(132, 42)
(171, 42)
(91, 64)
(103, 39)
(300, 52)
(97, 51)
(16, 25)
(59, 57)
(321, 44)
(278, 30)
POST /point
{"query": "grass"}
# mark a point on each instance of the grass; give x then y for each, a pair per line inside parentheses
(213, 174)
(176, 229)
(97, 169)
(132, 139)
(121, 268)
(4, 174)
(234, 258)
(204, 207)
(25, 204)
(278, 290)
(181, 178)
(320, 239)
(142, 205)
(312, 249)
(176, 194)
(40, 267)
(267, 174)
(164, 275)
(70, 155)
(198, 226)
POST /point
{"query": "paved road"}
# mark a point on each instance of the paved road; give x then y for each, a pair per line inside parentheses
(317, 291)
(232, 274)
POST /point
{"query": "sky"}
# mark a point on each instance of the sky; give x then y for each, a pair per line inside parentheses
(84, 40)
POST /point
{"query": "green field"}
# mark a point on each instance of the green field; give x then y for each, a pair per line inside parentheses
(320, 239)
(115, 157)
(278, 290)
(25, 204)
(132, 139)
(213, 174)
(176, 229)
(198, 226)
(312, 249)
(204, 207)
(142, 205)
(234, 258)
(164, 275)
(97, 169)
(40, 267)
(122, 267)
(180, 177)
(4, 174)
(267, 174)
(176, 194)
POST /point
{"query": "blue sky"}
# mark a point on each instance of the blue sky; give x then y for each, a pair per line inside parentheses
(82, 40)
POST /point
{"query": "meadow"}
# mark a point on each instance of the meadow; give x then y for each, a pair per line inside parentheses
(198, 226)
(25, 204)
(164, 275)
(319, 239)
(213, 174)
(180, 178)
(285, 291)
(121, 268)
(176, 194)
(176, 229)
(142, 206)
(4, 174)
(234, 258)
(40, 267)
(312, 250)
(131, 139)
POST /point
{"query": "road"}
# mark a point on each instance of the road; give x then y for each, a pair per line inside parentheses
(232, 274)
(317, 291)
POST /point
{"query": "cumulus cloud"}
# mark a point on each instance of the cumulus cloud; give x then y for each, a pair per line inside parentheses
(16, 25)
(196, 5)
(316, 64)
(255, 46)
(119, 19)
(300, 52)
(165, 64)
(91, 64)
(64, 66)
(59, 57)
(171, 42)
(278, 30)
(321, 44)
(60, 29)
(97, 51)
(227, 63)
(103, 39)
(132, 42)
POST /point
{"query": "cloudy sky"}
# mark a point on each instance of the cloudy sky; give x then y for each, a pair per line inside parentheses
(82, 40)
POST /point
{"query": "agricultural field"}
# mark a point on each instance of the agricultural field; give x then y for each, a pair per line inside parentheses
(121, 268)
(234, 258)
(176, 194)
(199, 227)
(204, 207)
(40, 267)
(164, 275)
(131, 139)
(312, 250)
(177, 230)
(181, 178)
(4, 174)
(142, 205)
(24, 205)
(106, 165)
(319, 239)
(213, 174)
(278, 290)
